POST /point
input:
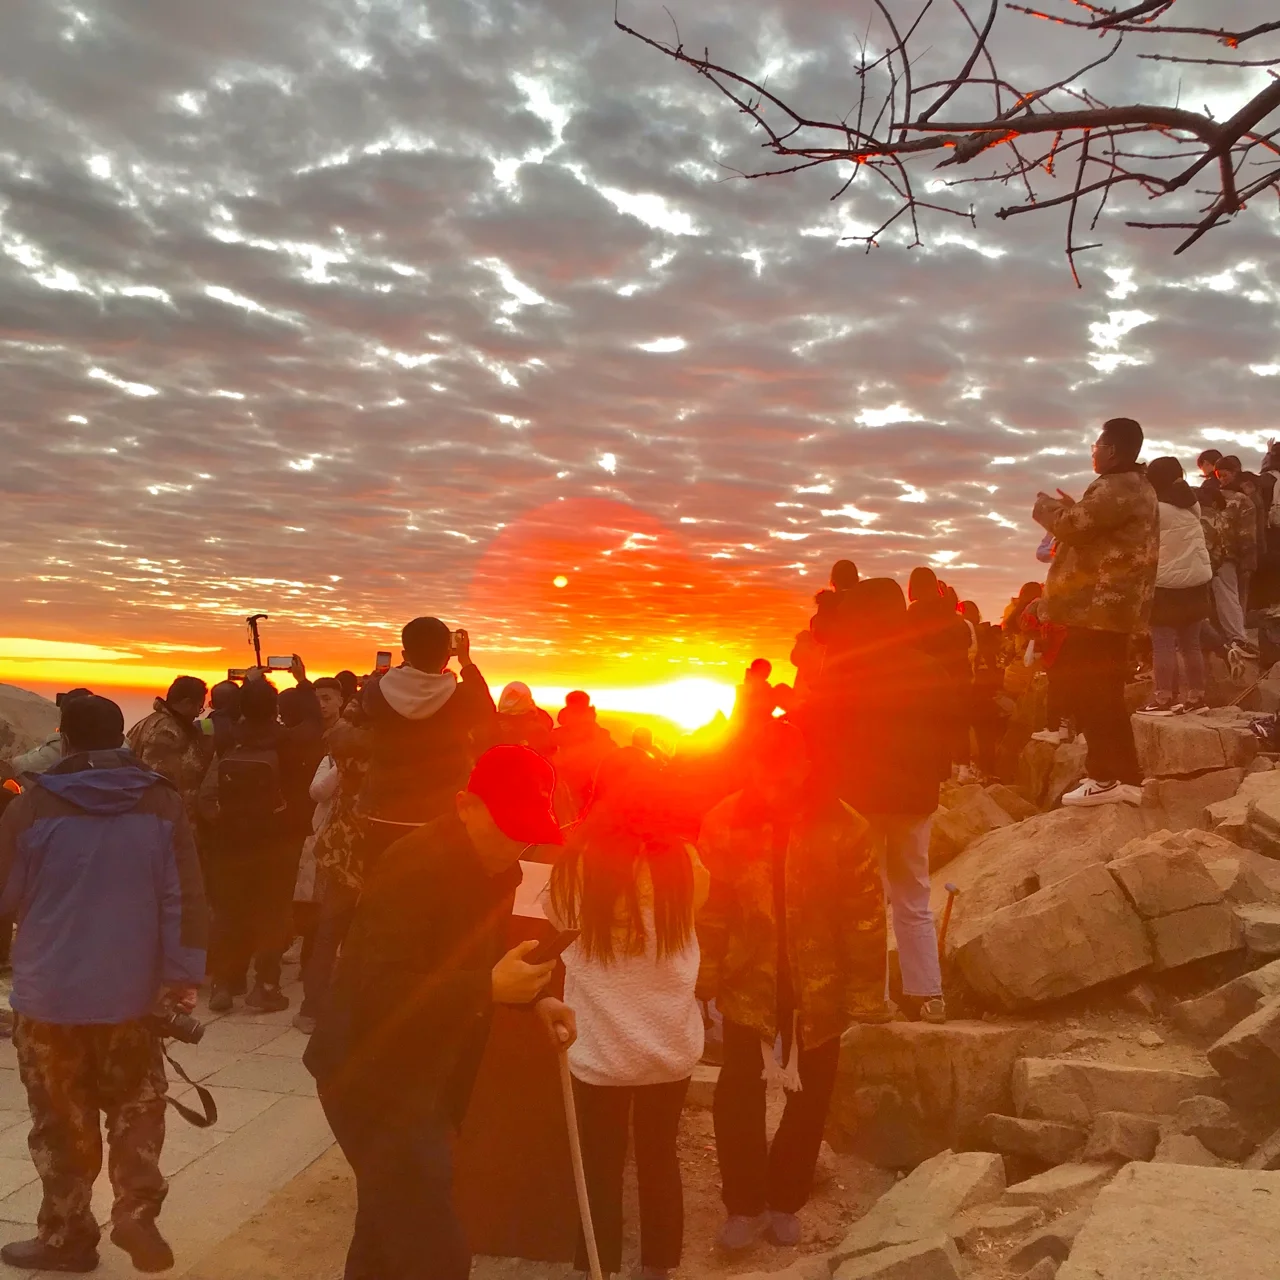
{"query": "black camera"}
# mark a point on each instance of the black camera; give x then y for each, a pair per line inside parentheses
(176, 1025)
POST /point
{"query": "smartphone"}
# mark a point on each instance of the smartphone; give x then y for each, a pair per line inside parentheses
(280, 664)
(553, 948)
(384, 660)
(459, 639)
(237, 673)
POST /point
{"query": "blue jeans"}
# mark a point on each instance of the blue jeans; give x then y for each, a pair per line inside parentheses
(1166, 644)
(903, 840)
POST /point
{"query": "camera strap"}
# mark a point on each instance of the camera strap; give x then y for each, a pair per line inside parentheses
(190, 1115)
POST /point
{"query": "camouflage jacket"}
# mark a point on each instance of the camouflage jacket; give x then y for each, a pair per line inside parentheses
(835, 923)
(174, 748)
(1240, 530)
(1103, 576)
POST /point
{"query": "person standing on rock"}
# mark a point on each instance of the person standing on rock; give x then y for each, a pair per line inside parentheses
(1181, 602)
(1100, 587)
(793, 945)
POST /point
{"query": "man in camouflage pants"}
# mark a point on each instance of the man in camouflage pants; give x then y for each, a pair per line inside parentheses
(98, 863)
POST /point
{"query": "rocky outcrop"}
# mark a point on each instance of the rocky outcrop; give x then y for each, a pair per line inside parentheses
(26, 720)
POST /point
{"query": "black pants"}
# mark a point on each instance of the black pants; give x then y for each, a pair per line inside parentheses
(1093, 666)
(337, 909)
(1059, 707)
(406, 1227)
(251, 896)
(603, 1113)
(755, 1176)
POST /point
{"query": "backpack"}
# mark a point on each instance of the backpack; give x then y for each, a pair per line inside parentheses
(249, 797)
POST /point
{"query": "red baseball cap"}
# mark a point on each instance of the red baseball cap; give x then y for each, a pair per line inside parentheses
(517, 785)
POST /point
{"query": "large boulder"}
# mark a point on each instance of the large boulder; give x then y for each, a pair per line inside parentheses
(1184, 801)
(1180, 746)
(1044, 1141)
(1230, 817)
(1074, 1090)
(1012, 801)
(1261, 925)
(1181, 904)
(26, 720)
(1248, 1056)
(1177, 1222)
(963, 818)
(1215, 1013)
(1010, 864)
(907, 1090)
(924, 1203)
(1068, 937)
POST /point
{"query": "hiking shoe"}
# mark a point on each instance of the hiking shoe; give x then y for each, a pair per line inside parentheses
(36, 1255)
(1157, 708)
(142, 1241)
(305, 1023)
(1236, 658)
(1056, 736)
(1090, 793)
(934, 1011)
(741, 1232)
(220, 999)
(1190, 706)
(266, 999)
(784, 1230)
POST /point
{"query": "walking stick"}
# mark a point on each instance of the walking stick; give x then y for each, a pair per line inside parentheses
(579, 1173)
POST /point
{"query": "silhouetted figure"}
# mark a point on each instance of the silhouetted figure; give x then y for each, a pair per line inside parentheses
(522, 722)
(833, 625)
(581, 745)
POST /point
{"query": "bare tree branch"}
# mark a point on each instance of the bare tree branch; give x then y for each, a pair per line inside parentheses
(1160, 149)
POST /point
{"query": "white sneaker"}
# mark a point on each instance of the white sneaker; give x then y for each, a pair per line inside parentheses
(1090, 793)
(1130, 794)
(1055, 736)
(1236, 658)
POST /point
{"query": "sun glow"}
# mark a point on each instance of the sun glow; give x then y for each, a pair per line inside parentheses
(689, 703)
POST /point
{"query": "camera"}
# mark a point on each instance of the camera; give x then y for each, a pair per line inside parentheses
(176, 1025)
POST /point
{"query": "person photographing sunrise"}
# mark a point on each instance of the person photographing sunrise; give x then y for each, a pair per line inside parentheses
(397, 1050)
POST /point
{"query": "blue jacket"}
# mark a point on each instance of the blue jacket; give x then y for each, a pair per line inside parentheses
(98, 864)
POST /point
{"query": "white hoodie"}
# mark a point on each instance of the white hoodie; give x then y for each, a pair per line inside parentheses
(417, 695)
(1184, 557)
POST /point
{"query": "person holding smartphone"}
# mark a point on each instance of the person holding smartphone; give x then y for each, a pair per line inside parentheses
(398, 1045)
(631, 885)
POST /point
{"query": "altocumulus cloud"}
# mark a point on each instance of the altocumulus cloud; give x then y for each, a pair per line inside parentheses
(355, 307)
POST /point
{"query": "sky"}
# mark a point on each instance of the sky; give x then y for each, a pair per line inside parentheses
(346, 311)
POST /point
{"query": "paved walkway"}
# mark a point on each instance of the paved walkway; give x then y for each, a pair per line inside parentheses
(270, 1127)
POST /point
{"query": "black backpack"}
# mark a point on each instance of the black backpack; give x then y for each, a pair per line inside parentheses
(250, 798)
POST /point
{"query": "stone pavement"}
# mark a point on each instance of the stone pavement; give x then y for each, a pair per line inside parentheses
(270, 1127)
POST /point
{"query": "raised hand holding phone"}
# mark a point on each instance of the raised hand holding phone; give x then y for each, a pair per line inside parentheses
(515, 980)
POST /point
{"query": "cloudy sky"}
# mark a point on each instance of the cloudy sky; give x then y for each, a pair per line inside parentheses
(348, 310)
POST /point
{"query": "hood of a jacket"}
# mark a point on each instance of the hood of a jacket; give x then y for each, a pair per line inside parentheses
(417, 695)
(100, 782)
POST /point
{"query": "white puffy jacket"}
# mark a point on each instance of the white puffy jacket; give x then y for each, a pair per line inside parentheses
(1184, 557)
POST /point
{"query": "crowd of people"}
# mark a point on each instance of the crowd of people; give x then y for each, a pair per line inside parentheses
(382, 822)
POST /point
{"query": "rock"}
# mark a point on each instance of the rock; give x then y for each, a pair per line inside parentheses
(1067, 773)
(1267, 1156)
(1045, 1141)
(1120, 1135)
(907, 1090)
(1261, 926)
(1239, 882)
(1014, 803)
(1185, 800)
(1249, 1054)
(1142, 998)
(994, 1222)
(1161, 876)
(925, 1201)
(1150, 1040)
(1053, 1242)
(1068, 937)
(817, 1266)
(1214, 1014)
(1183, 745)
(1062, 1187)
(1178, 939)
(995, 871)
(702, 1087)
(935, 1258)
(1045, 1269)
(26, 720)
(1182, 1148)
(955, 829)
(1159, 1222)
(1212, 1122)
(1035, 764)
(1073, 1091)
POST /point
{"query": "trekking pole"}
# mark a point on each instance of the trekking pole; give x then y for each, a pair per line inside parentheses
(579, 1172)
(255, 637)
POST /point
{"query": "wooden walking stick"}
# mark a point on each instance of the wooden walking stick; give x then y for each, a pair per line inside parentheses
(579, 1173)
